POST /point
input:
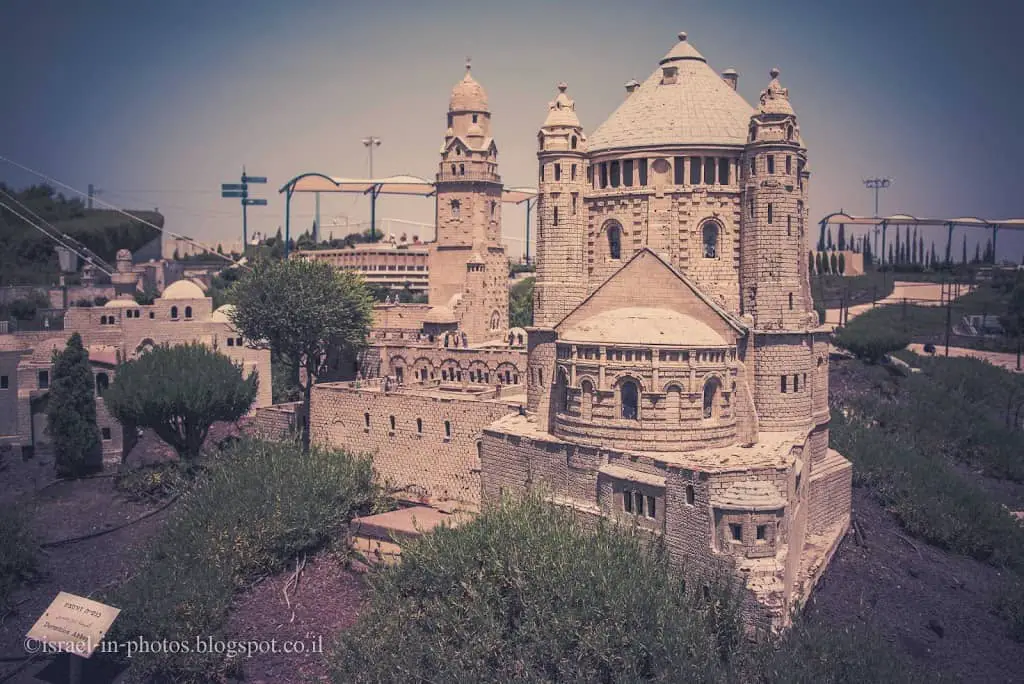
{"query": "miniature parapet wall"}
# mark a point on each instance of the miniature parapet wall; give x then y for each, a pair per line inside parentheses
(431, 447)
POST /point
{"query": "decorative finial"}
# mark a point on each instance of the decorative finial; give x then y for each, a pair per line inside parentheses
(562, 86)
(682, 36)
(469, 63)
(774, 72)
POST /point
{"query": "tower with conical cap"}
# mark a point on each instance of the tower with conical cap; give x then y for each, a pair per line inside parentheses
(468, 267)
(561, 217)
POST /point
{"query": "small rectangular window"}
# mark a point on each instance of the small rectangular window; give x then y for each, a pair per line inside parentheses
(542, 171)
(769, 212)
(753, 166)
(679, 171)
(391, 420)
(723, 171)
(5, 382)
(572, 175)
(642, 171)
(789, 164)
(796, 383)
(614, 172)
(783, 383)
(575, 197)
(789, 225)
(694, 170)
(447, 429)
(627, 501)
(419, 426)
(558, 172)
(771, 163)
(638, 503)
(590, 175)
(44, 379)
(604, 174)
(750, 207)
(231, 341)
(555, 217)
(762, 532)
(627, 173)
(652, 511)
(709, 171)
(736, 531)
(106, 434)
(366, 419)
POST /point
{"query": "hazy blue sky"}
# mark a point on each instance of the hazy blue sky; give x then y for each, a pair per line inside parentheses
(160, 102)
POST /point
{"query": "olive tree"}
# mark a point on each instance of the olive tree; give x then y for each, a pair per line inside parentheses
(302, 311)
(71, 412)
(179, 392)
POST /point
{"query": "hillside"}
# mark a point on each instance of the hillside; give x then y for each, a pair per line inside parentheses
(28, 257)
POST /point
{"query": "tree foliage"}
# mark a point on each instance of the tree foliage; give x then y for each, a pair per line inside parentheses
(179, 392)
(303, 310)
(71, 412)
(869, 342)
(520, 303)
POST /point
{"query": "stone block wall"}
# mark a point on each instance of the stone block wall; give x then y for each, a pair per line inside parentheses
(778, 359)
(416, 450)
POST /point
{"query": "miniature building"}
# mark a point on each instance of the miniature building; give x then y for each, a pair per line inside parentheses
(391, 265)
(121, 329)
(677, 373)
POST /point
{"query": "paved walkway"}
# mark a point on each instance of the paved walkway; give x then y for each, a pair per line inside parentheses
(920, 294)
(1007, 361)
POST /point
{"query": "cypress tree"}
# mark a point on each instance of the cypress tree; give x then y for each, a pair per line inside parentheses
(964, 259)
(833, 263)
(977, 252)
(842, 264)
(890, 253)
(842, 236)
(821, 263)
(71, 412)
(810, 262)
(920, 248)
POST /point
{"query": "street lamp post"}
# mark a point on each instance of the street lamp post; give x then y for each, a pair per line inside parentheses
(877, 184)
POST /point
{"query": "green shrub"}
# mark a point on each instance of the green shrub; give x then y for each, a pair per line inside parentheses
(154, 482)
(19, 562)
(869, 342)
(918, 486)
(524, 592)
(258, 507)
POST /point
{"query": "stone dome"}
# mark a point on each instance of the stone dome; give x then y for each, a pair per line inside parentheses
(183, 289)
(440, 315)
(468, 95)
(222, 314)
(775, 98)
(119, 304)
(643, 326)
(683, 102)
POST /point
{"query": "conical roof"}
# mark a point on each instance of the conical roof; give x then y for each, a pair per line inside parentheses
(699, 108)
(468, 95)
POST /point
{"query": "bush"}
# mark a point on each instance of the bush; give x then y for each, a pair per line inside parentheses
(71, 412)
(870, 343)
(525, 592)
(179, 392)
(19, 562)
(154, 482)
(251, 514)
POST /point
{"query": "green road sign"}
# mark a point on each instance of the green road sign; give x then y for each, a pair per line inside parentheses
(235, 193)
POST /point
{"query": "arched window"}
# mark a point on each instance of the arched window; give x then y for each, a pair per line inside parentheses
(419, 426)
(456, 206)
(188, 312)
(103, 320)
(495, 320)
(614, 241)
(519, 339)
(629, 397)
(572, 142)
(586, 399)
(102, 383)
(710, 240)
(789, 132)
(790, 301)
(563, 391)
(366, 420)
(690, 495)
(711, 388)
(174, 312)
(462, 169)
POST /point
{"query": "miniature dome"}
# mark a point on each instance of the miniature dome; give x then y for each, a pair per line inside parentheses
(644, 326)
(775, 99)
(440, 314)
(119, 304)
(222, 314)
(468, 95)
(693, 107)
(183, 289)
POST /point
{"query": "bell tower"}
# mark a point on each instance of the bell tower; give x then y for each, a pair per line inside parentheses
(468, 267)
(561, 217)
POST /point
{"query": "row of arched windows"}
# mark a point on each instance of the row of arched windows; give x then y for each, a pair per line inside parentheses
(174, 313)
(629, 397)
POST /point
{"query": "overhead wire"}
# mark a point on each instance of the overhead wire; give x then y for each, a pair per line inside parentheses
(51, 236)
(120, 211)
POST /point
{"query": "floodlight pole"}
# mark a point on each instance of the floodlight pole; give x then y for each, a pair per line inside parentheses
(369, 143)
(877, 184)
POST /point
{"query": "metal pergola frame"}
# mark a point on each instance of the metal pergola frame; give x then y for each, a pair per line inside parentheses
(841, 217)
(408, 185)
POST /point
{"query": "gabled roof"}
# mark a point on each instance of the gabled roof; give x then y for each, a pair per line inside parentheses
(731, 320)
(698, 109)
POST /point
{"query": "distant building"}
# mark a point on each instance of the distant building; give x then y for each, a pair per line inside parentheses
(395, 266)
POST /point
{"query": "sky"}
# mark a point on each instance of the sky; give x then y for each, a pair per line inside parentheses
(158, 103)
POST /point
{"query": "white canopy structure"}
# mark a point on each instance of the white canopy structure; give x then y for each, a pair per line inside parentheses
(404, 184)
